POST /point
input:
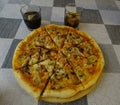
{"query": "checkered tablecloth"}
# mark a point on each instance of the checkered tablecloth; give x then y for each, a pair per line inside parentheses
(100, 19)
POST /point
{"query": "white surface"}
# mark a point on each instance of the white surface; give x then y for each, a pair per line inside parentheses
(4, 47)
(110, 17)
(107, 92)
(117, 51)
(11, 11)
(117, 3)
(22, 31)
(47, 3)
(58, 14)
(97, 31)
(87, 4)
(10, 92)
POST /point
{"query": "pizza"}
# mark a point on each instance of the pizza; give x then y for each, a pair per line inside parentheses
(57, 63)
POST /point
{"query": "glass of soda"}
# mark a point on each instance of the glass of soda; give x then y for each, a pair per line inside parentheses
(31, 15)
(72, 16)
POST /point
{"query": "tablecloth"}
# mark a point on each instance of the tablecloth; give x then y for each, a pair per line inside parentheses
(100, 19)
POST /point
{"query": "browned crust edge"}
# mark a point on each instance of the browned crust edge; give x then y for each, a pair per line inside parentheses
(66, 100)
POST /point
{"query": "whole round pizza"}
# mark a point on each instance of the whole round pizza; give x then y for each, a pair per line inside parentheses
(57, 63)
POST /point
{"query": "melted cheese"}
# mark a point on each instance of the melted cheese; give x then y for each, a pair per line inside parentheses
(49, 64)
(23, 60)
(34, 70)
(34, 58)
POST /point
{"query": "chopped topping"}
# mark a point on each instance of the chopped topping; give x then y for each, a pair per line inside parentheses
(25, 69)
(24, 59)
(74, 50)
(92, 59)
(80, 49)
(90, 68)
(34, 58)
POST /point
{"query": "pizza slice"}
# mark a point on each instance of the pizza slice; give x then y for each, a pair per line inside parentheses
(73, 54)
(93, 63)
(58, 34)
(24, 56)
(73, 37)
(89, 73)
(45, 40)
(40, 38)
(33, 78)
(87, 60)
(63, 83)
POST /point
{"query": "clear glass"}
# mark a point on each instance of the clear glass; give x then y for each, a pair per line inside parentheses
(72, 16)
(31, 15)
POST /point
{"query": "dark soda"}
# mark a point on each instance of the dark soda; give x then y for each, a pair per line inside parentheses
(32, 19)
(72, 19)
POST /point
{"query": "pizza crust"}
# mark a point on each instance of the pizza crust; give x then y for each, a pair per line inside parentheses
(33, 91)
(88, 83)
(66, 100)
(75, 97)
(16, 64)
(63, 93)
(99, 66)
(21, 50)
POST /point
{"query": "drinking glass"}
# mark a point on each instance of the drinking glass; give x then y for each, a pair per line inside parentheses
(31, 15)
(72, 16)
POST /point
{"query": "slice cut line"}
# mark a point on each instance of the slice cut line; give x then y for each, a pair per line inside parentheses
(63, 81)
(58, 34)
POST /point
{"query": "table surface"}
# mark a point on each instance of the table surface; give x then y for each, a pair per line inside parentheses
(100, 18)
